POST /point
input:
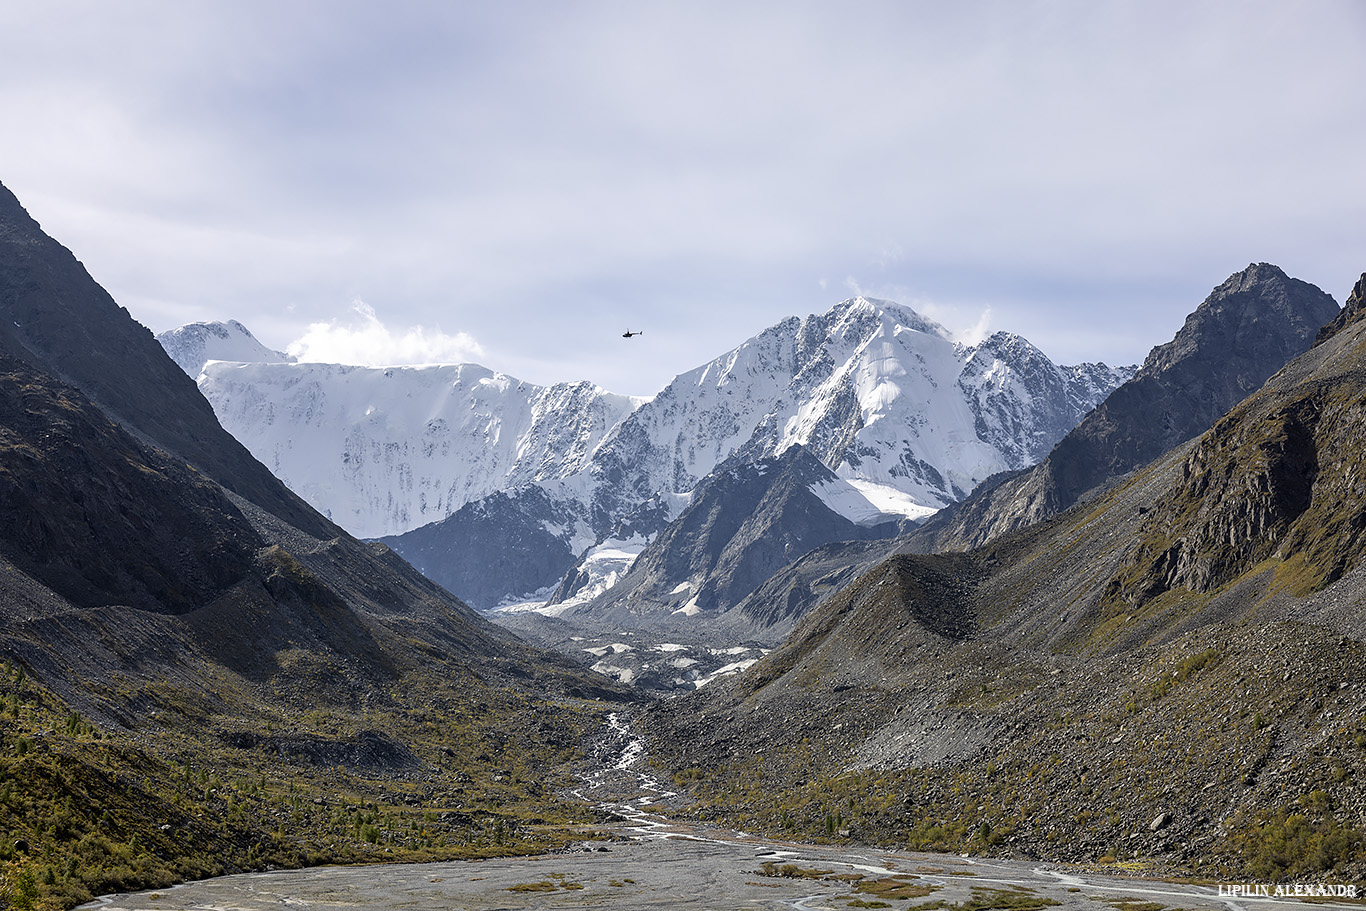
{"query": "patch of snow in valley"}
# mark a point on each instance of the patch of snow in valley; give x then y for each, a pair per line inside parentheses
(868, 503)
(691, 609)
(726, 671)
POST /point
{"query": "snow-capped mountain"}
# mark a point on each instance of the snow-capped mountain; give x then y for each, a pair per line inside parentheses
(910, 419)
(381, 450)
(876, 391)
(193, 345)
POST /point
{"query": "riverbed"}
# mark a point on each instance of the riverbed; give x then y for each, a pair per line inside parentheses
(653, 862)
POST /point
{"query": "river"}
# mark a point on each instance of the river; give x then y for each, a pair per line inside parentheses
(657, 863)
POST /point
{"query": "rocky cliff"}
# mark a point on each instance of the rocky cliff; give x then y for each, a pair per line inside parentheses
(1248, 327)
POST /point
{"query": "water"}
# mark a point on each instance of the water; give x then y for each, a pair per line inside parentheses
(656, 863)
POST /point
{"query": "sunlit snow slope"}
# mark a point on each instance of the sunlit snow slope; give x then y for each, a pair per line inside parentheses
(381, 450)
(880, 394)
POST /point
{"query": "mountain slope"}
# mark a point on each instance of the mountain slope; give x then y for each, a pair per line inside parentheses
(1246, 329)
(1174, 669)
(196, 665)
(54, 316)
(745, 521)
(876, 392)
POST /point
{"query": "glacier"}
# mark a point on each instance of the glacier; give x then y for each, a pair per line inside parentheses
(908, 417)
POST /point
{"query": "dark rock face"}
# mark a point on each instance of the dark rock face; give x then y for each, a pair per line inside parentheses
(746, 521)
(1277, 478)
(1245, 331)
(492, 546)
(55, 317)
(1351, 312)
(102, 519)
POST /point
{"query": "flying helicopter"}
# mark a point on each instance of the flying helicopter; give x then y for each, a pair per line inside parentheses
(628, 333)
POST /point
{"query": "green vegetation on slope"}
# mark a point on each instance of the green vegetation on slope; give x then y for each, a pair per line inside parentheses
(465, 771)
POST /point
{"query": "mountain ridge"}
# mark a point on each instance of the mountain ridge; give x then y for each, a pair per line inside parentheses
(1170, 672)
(878, 393)
(1250, 325)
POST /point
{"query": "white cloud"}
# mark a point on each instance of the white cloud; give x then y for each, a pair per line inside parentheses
(977, 332)
(364, 340)
(543, 174)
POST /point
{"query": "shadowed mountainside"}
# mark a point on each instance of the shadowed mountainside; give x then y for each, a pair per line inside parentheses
(201, 674)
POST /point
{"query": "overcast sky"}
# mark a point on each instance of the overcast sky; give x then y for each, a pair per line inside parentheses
(517, 183)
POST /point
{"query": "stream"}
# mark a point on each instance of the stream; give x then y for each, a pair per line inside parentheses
(660, 863)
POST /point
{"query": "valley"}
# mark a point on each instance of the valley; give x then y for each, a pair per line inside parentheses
(1128, 640)
(648, 861)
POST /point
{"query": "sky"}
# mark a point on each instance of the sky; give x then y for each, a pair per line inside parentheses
(518, 183)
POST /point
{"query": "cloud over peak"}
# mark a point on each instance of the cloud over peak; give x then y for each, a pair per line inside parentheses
(361, 338)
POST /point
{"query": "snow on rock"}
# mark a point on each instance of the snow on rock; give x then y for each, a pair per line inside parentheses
(868, 503)
(911, 420)
(382, 450)
(726, 671)
(194, 345)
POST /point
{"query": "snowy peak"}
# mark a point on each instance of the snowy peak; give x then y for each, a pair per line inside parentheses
(907, 419)
(382, 450)
(193, 345)
(863, 317)
(1022, 402)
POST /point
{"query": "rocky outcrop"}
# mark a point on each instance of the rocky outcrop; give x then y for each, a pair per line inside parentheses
(1278, 478)
(1352, 312)
(1245, 331)
(746, 521)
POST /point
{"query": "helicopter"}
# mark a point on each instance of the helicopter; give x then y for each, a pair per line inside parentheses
(628, 333)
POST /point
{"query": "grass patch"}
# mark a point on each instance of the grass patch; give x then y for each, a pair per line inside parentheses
(87, 810)
(894, 887)
(1014, 899)
(544, 885)
(1129, 904)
